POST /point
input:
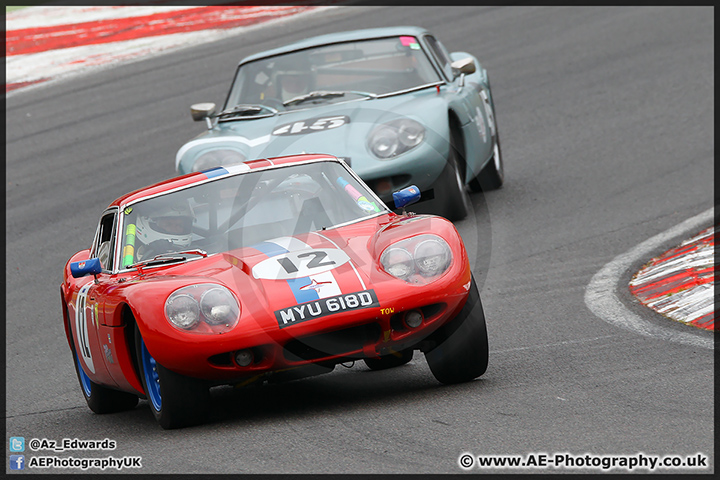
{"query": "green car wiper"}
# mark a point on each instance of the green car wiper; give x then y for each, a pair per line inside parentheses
(320, 94)
(246, 110)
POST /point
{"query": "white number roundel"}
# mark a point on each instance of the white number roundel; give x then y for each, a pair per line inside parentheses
(300, 263)
(81, 326)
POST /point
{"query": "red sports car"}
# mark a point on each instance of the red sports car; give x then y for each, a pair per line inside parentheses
(269, 270)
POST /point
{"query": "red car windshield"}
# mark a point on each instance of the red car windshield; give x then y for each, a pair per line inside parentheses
(246, 209)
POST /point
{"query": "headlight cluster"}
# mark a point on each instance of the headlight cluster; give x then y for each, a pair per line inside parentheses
(419, 259)
(395, 137)
(217, 158)
(205, 308)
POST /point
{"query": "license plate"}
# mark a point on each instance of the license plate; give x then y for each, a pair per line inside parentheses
(326, 306)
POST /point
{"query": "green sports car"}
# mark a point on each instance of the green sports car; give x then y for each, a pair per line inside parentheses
(391, 102)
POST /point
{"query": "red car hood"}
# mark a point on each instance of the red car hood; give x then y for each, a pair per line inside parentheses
(292, 286)
(285, 272)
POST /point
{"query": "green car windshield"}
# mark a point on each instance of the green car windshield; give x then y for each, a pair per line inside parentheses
(243, 210)
(359, 69)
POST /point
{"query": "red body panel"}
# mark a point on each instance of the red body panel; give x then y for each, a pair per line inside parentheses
(263, 302)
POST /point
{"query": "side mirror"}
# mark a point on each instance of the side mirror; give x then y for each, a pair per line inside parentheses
(406, 196)
(200, 111)
(465, 65)
(85, 267)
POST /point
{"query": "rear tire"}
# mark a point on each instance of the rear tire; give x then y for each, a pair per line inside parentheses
(175, 400)
(391, 360)
(492, 176)
(461, 351)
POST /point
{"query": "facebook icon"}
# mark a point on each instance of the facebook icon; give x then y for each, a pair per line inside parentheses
(17, 462)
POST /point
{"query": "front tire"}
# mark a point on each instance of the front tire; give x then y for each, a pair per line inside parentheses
(461, 351)
(175, 400)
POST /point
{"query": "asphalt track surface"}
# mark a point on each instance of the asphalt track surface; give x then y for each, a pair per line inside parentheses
(607, 123)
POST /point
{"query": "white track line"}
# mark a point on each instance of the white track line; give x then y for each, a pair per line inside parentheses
(601, 299)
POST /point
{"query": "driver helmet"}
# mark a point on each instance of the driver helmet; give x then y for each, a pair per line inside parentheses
(294, 78)
(293, 84)
(167, 222)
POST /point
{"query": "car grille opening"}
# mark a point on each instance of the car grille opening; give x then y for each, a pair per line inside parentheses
(221, 359)
(338, 342)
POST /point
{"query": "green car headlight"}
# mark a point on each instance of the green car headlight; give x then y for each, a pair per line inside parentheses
(217, 158)
(205, 308)
(396, 137)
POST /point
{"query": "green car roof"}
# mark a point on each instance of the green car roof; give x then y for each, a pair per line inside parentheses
(353, 35)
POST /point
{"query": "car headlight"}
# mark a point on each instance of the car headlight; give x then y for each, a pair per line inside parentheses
(431, 258)
(205, 308)
(398, 262)
(217, 158)
(396, 137)
(182, 311)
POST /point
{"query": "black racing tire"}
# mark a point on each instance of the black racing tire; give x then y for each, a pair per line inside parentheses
(461, 350)
(451, 196)
(492, 176)
(176, 401)
(390, 360)
(99, 398)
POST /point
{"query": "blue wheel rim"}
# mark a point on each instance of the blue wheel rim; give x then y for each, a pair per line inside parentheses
(84, 379)
(152, 380)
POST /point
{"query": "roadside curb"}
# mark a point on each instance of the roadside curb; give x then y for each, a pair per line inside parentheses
(47, 43)
(679, 284)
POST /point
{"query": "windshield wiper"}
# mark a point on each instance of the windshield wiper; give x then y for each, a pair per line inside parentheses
(168, 257)
(320, 94)
(246, 110)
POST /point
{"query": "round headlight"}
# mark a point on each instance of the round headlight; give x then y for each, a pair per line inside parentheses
(384, 142)
(218, 306)
(395, 137)
(182, 310)
(411, 134)
(217, 158)
(398, 262)
(432, 257)
(203, 308)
